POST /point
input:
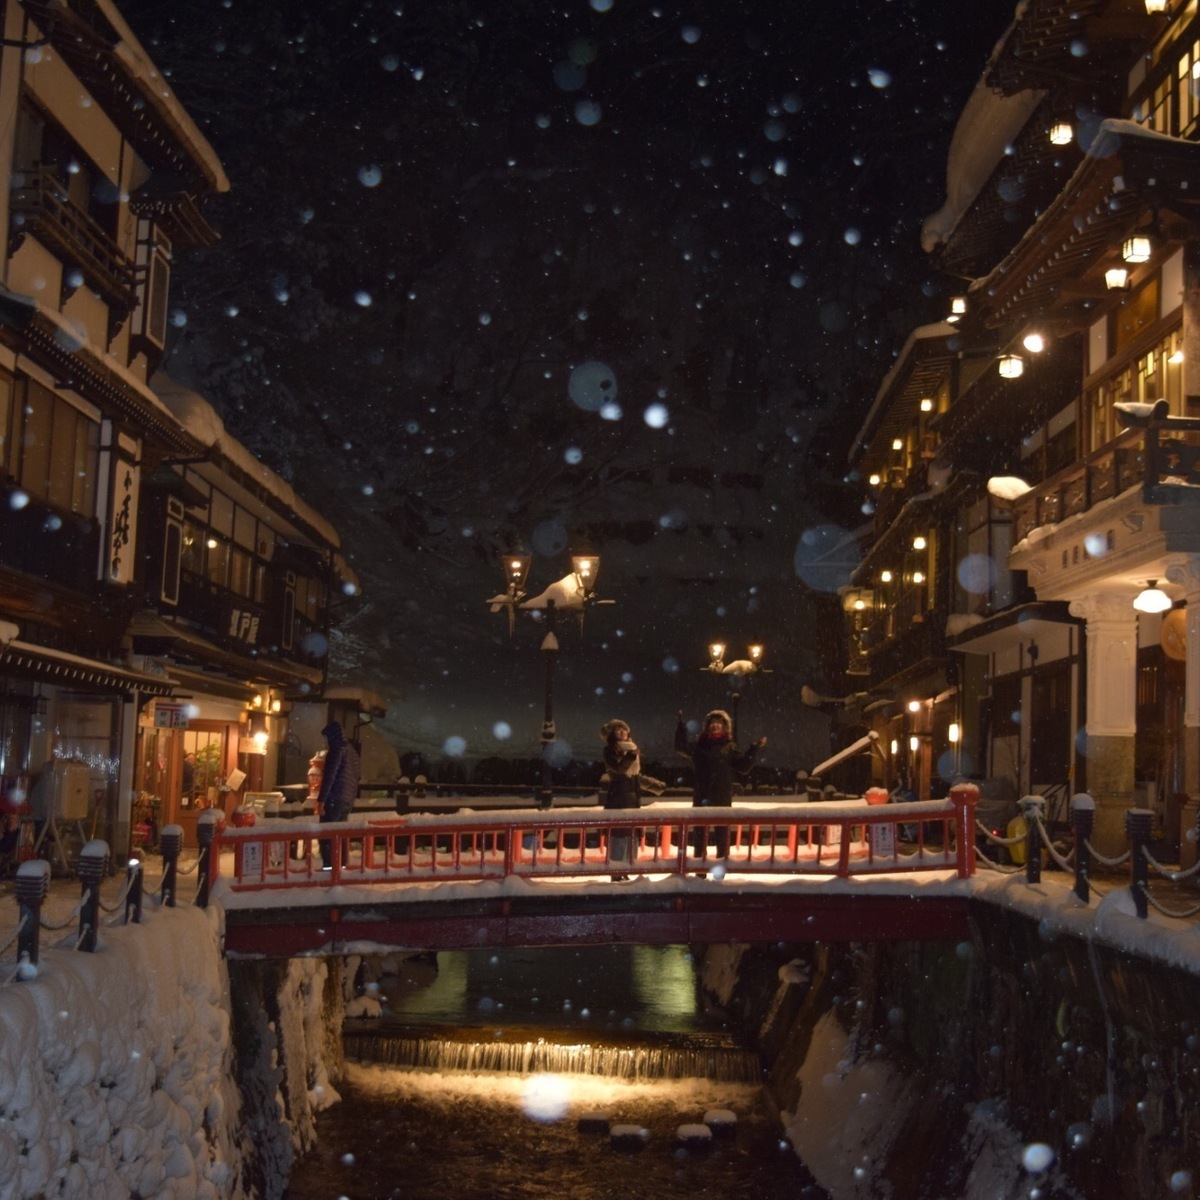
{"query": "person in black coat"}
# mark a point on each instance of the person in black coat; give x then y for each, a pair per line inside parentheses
(339, 783)
(622, 766)
(715, 762)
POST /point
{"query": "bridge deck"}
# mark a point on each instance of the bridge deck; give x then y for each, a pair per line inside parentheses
(521, 878)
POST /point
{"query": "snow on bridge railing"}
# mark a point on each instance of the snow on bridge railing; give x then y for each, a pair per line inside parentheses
(829, 838)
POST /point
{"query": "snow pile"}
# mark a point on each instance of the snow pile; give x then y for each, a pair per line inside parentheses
(849, 1113)
(115, 1068)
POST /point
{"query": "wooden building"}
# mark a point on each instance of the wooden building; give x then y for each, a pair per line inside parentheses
(1031, 458)
(161, 592)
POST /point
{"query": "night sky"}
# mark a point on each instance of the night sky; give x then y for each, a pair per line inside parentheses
(451, 222)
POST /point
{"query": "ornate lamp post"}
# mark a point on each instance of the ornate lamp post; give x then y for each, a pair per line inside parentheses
(574, 591)
(739, 668)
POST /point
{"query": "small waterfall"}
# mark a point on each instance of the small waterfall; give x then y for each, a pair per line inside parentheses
(699, 1059)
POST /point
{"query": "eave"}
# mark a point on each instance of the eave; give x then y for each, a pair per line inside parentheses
(1129, 178)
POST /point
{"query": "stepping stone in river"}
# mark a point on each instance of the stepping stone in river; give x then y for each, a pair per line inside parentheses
(629, 1137)
(722, 1122)
(697, 1138)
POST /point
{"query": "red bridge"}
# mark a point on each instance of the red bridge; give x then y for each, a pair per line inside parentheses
(473, 879)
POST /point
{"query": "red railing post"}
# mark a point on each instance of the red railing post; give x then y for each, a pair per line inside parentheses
(964, 797)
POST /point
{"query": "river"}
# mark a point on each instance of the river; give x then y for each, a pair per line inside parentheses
(583, 1072)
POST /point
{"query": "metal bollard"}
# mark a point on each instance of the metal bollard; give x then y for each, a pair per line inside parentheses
(1033, 808)
(33, 886)
(1083, 820)
(133, 892)
(93, 866)
(170, 842)
(1139, 825)
(211, 819)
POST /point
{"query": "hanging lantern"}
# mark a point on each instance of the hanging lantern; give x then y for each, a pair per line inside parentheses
(1011, 366)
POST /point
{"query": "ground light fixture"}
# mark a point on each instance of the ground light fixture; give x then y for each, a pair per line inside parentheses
(1011, 366)
(1152, 599)
(1061, 133)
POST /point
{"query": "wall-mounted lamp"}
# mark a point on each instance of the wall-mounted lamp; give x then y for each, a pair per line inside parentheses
(919, 543)
(1116, 279)
(256, 701)
(1175, 358)
(1035, 343)
(895, 747)
(1061, 133)
(1011, 366)
(885, 576)
(1152, 599)
(914, 706)
(874, 480)
(897, 444)
(958, 309)
(1136, 249)
(914, 743)
(926, 404)
(918, 577)
(953, 733)
(1153, 7)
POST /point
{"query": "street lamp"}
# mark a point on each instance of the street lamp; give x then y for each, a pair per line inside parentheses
(574, 591)
(738, 668)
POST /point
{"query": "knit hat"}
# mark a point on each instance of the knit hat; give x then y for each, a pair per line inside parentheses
(610, 726)
(718, 714)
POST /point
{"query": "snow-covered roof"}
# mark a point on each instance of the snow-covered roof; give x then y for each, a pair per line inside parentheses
(883, 395)
(986, 128)
(147, 78)
(200, 419)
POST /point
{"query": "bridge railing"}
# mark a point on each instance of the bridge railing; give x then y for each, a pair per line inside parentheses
(832, 838)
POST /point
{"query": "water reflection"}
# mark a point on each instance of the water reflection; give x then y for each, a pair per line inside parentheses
(638, 988)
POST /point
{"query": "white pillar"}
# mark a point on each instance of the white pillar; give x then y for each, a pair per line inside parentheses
(1111, 718)
(1112, 642)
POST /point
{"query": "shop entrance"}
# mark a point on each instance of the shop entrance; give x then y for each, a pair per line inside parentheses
(181, 772)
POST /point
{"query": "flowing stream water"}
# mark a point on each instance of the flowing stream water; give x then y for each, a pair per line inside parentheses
(543, 1074)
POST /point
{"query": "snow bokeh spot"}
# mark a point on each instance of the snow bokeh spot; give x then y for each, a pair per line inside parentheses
(588, 112)
(370, 175)
(592, 385)
(557, 754)
(1037, 1157)
(825, 557)
(502, 731)
(656, 416)
(977, 573)
(549, 538)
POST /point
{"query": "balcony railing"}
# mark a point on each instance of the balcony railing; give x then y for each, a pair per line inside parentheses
(1102, 475)
(40, 206)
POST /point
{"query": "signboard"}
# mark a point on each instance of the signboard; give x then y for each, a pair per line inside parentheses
(883, 840)
(252, 860)
(170, 716)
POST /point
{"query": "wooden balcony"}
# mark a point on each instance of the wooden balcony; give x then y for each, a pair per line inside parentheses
(40, 206)
(1102, 475)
